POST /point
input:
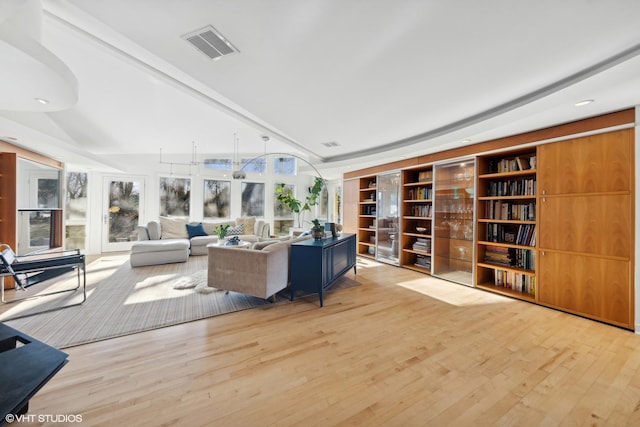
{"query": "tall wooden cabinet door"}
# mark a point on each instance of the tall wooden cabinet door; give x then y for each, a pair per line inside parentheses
(594, 164)
(585, 236)
(591, 286)
(599, 224)
(350, 199)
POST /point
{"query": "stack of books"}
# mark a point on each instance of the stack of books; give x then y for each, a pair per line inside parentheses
(422, 245)
(423, 261)
(499, 255)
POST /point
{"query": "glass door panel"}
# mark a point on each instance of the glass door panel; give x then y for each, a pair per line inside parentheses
(454, 222)
(121, 213)
(388, 218)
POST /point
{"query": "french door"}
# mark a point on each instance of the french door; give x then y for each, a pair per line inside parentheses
(123, 201)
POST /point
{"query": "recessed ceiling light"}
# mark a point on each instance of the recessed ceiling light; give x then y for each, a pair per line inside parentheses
(41, 101)
(465, 141)
(584, 102)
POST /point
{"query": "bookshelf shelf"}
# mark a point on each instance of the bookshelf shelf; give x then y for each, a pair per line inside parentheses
(507, 292)
(417, 211)
(366, 236)
(506, 225)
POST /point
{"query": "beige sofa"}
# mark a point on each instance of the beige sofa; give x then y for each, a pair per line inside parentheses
(261, 271)
(168, 240)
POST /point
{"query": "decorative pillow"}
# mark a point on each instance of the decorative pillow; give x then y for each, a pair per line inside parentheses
(235, 231)
(249, 223)
(154, 230)
(173, 228)
(194, 230)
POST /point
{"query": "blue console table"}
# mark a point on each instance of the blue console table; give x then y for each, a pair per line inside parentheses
(317, 264)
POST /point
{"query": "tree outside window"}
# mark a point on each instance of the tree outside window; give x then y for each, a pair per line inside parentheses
(217, 199)
(175, 195)
(252, 199)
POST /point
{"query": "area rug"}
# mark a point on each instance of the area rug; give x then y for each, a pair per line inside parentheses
(122, 300)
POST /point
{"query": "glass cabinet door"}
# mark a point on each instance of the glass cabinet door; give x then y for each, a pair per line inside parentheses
(454, 222)
(388, 218)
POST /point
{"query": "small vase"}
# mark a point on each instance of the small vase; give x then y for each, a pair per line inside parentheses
(317, 234)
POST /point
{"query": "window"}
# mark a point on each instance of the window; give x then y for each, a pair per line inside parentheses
(323, 201)
(282, 214)
(175, 194)
(252, 199)
(280, 210)
(284, 166)
(48, 193)
(75, 211)
(218, 164)
(255, 166)
(217, 199)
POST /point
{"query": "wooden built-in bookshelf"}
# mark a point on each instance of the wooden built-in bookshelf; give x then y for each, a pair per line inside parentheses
(506, 227)
(417, 215)
(553, 222)
(367, 216)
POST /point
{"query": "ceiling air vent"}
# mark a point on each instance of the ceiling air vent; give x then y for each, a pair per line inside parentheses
(330, 144)
(210, 42)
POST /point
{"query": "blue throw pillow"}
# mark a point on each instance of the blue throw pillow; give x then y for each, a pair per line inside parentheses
(195, 230)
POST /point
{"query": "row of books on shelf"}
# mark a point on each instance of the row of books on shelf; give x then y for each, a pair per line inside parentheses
(510, 257)
(512, 165)
(368, 210)
(420, 193)
(422, 245)
(524, 234)
(515, 281)
(498, 209)
(512, 187)
(425, 176)
(423, 261)
(421, 210)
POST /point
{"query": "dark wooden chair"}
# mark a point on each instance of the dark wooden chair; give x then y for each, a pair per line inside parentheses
(29, 270)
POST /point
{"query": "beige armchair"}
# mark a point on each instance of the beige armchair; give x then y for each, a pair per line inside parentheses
(261, 273)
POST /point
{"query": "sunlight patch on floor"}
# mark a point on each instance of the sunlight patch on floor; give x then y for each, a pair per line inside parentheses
(452, 293)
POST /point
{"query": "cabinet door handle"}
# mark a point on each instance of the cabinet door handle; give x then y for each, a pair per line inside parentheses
(544, 191)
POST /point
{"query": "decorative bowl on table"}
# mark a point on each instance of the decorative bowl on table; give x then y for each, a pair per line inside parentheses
(421, 229)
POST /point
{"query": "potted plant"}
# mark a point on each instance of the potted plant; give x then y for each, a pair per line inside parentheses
(317, 230)
(285, 196)
(221, 231)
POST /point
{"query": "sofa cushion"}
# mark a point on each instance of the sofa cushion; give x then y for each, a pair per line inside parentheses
(248, 222)
(173, 228)
(165, 245)
(195, 230)
(235, 230)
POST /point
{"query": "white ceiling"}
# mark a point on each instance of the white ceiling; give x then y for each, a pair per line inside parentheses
(382, 78)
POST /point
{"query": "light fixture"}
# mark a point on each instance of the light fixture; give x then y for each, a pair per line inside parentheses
(583, 103)
(41, 101)
(193, 161)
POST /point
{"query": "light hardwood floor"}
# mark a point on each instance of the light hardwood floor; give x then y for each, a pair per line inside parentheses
(401, 349)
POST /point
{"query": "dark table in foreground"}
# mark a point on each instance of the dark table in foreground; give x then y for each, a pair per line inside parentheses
(317, 264)
(26, 365)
